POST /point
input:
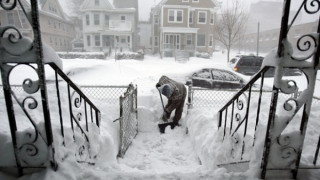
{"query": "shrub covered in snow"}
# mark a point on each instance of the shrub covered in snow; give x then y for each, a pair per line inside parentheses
(130, 55)
(83, 55)
(203, 55)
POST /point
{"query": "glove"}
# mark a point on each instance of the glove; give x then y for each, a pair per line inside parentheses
(158, 85)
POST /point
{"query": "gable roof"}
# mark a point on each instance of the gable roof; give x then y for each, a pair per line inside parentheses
(86, 5)
(42, 3)
(161, 3)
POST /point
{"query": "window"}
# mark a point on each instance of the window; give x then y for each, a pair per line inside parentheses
(96, 2)
(191, 17)
(156, 19)
(96, 19)
(123, 39)
(202, 17)
(128, 39)
(97, 40)
(106, 19)
(175, 15)
(210, 40)
(211, 18)
(201, 40)
(195, 0)
(10, 19)
(185, 0)
(87, 20)
(179, 16)
(171, 15)
(123, 18)
(156, 44)
(49, 22)
(88, 40)
(189, 39)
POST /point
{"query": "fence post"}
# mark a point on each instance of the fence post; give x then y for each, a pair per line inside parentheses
(190, 95)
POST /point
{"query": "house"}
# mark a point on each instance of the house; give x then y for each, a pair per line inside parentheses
(131, 4)
(269, 39)
(145, 36)
(105, 27)
(56, 29)
(186, 25)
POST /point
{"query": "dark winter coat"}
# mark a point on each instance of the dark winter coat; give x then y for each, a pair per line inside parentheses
(176, 100)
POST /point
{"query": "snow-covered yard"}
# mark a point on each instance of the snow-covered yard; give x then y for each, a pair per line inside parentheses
(173, 155)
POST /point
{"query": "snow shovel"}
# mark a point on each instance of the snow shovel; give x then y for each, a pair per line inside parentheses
(162, 126)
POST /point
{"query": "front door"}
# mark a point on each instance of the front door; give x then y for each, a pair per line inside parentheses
(108, 41)
(173, 41)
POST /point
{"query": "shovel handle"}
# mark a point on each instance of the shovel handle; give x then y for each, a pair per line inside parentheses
(161, 100)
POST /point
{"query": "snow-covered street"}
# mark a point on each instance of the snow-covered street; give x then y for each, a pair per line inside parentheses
(173, 155)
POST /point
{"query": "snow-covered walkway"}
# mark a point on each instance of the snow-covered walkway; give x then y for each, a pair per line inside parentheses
(162, 153)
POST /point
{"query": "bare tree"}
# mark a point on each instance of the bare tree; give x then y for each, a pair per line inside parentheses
(230, 24)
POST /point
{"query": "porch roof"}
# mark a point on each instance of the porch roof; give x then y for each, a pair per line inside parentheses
(179, 30)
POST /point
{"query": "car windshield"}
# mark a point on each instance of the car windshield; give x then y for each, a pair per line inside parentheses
(203, 74)
(223, 76)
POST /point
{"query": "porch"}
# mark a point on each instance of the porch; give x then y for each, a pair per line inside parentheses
(178, 39)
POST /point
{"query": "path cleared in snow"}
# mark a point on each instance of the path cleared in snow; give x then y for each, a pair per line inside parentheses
(163, 156)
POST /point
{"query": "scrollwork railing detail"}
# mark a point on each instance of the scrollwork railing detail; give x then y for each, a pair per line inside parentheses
(312, 3)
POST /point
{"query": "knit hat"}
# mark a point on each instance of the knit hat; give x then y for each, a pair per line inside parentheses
(166, 90)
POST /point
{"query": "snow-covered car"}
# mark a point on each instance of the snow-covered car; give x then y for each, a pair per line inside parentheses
(214, 78)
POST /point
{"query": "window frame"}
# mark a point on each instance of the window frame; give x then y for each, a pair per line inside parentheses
(96, 19)
(123, 20)
(175, 15)
(189, 39)
(156, 19)
(88, 40)
(97, 40)
(210, 43)
(211, 18)
(205, 20)
(97, 2)
(204, 43)
(156, 41)
(105, 19)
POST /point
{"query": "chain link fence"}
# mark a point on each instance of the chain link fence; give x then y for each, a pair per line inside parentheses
(201, 97)
(110, 94)
(128, 118)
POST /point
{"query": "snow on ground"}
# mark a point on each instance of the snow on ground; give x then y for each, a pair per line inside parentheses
(173, 155)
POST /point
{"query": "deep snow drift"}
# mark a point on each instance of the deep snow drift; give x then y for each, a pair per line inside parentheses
(174, 155)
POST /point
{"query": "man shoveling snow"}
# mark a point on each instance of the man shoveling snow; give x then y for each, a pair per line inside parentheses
(176, 93)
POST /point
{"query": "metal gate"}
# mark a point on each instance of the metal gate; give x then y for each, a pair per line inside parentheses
(128, 119)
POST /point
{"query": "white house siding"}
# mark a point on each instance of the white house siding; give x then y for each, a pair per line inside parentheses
(114, 27)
